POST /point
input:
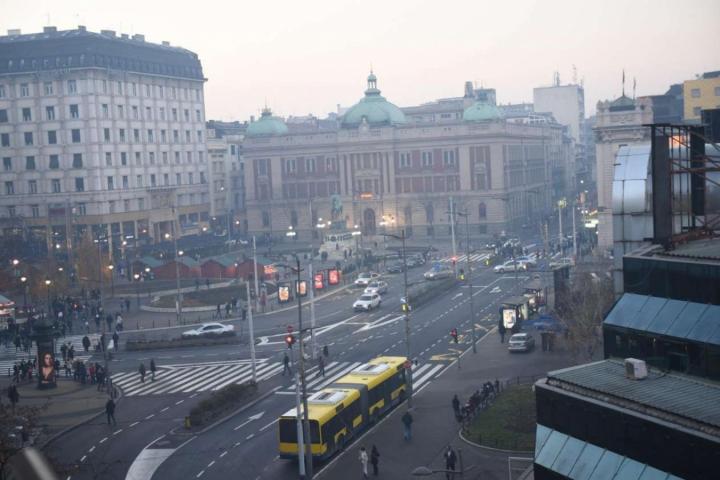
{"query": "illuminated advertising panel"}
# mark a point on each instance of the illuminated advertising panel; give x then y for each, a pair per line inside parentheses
(333, 277)
(319, 281)
(283, 293)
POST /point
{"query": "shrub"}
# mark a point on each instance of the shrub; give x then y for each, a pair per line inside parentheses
(221, 401)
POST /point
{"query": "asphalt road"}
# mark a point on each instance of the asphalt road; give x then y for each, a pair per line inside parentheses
(247, 444)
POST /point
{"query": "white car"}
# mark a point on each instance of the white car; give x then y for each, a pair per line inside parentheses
(438, 273)
(510, 266)
(561, 262)
(529, 261)
(208, 329)
(367, 302)
(365, 278)
(378, 286)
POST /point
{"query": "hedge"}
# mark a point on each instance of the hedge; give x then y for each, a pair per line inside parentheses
(221, 402)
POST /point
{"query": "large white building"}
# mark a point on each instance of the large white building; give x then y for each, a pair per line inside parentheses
(100, 132)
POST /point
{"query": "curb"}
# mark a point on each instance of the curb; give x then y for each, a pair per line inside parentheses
(69, 429)
(491, 449)
(229, 415)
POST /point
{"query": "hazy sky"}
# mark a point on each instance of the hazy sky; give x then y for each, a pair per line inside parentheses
(308, 56)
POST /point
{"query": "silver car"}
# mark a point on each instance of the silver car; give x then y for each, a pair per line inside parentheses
(521, 342)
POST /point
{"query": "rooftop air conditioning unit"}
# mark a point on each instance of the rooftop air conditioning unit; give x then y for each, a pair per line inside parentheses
(635, 369)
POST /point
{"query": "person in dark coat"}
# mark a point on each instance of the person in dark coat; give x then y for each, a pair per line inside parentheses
(86, 343)
(407, 421)
(153, 369)
(110, 411)
(456, 407)
(374, 459)
(142, 372)
(450, 460)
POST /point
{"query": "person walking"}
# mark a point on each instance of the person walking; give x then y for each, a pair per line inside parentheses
(142, 372)
(363, 457)
(153, 369)
(321, 366)
(13, 395)
(450, 460)
(456, 407)
(127, 305)
(286, 365)
(375, 459)
(116, 339)
(86, 343)
(407, 421)
(110, 412)
(118, 322)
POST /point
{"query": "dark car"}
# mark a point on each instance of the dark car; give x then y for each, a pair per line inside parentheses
(415, 261)
(395, 268)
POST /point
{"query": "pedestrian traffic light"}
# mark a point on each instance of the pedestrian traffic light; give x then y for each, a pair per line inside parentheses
(462, 274)
(405, 307)
(454, 334)
(289, 340)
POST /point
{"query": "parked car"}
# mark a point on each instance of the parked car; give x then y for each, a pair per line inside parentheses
(415, 261)
(531, 262)
(378, 286)
(367, 302)
(209, 329)
(521, 342)
(561, 262)
(365, 278)
(397, 267)
(436, 273)
(510, 266)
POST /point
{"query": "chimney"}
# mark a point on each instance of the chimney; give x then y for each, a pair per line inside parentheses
(166, 43)
(49, 29)
(14, 31)
(138, 37)
(108, 33)
(82, 28)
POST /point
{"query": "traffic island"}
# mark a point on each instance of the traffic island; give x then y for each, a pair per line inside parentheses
(508, 424)
(219, 339)
(219, 404)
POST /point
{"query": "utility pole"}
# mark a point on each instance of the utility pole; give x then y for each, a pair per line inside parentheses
(178, 296)
(469, 278)
(251, 331)
(574, 232)
(298, 418)
(306, 418)
(560, 207)
(255, 275)
(408, 373)
(313, 346)
(452, 229)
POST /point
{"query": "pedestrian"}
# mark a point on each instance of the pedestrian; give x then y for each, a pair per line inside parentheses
(217, 311)
(456, 407)
(116, 339)
(286, 365)
(119, 322)
(497, 386)
(450, 459)
(207, 283)
(13, 395)
(63, 350)
(321, 366)
(153, 369)
(227, 310)
(71, 353)
(363, 457)
(375, 459)
(127, 305)
(326, 351)
(142, 372)
(110, 411)
(109, 321)
(501, 330)
(407, 421)
(86, 342)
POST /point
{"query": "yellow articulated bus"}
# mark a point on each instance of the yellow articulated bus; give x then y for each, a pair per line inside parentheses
(342, 409)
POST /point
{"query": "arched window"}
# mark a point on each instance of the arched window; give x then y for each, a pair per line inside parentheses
(482, 211)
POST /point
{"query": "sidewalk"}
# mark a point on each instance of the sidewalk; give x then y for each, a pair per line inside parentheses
(61, 408)
(434, 425)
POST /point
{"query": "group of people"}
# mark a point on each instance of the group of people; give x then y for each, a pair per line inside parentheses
(24, 370)
(373, 458)
(230, 307)
(143, 371)
(478, 398)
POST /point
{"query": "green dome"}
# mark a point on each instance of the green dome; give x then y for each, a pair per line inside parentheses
(481, 111)
(373, 109)
(266, 125)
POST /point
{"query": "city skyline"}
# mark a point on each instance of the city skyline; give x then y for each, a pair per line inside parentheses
(329, 56)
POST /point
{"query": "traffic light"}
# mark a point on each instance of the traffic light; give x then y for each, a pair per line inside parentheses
(462, 274)
(405, 307)
(289, 340)
(454, 335)
(454, 261)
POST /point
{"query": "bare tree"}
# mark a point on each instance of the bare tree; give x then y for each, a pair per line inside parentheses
(582, 311)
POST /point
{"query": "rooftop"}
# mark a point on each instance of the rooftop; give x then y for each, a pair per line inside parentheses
(702, 251)
(688, 401)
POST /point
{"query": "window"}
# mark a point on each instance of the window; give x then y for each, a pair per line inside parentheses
(161, 90)
(262, 166)
(191, 180)
(404, 159)
(174, 114)
(121, 111)
(35, 210)
(151, 136)
(178, 179)
(125, 182)
(52, 137)
(111, 206)
(48, 88)
(2, 91)
(75, 135)
(265, 219)
(138, 160)
(135, 113)
(4, 139)
(166, 179)
(136, 135)
(695, 93)
(165, 158)
(104, 86)
(148, 113)
(202, 178)
(198, 117)
(482, 211)
(153, 182)
(139, 181)
(30, 163)
(134, 89)
(28, 138)
(55, 185)
(27, 115)
(141, 204)
(11, 211)
(449, 158)
(199, 136)
(173, 93)
(427, 159)
(176, 136)
(290, 165)
(72, 86)
(110, 183)
(189, 157)
(74, 111)
(108, 159)
(187, 115)
(126, 205)
(696, 111)
(80, 186)
(24, 90)
(105, 110)
(3, 116)
(717, 91)
(32, 187)
(7, 164)
(119, 88)
(50, 113)
(309, 165)
(54, 162)
(122, 135)
(123, 159)
(77, 160)
(162, 113)
(152, 158)
(201, 157)
(147, 90)
(187, 136)
(81, 208)
(177, 157)
(9, 188)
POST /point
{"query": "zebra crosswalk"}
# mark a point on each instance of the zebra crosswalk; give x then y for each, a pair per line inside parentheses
(334, 370)
(197, 377)
(474, 258)
(9, 357)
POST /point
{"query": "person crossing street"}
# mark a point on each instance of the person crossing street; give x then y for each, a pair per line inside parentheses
(110, 411)
(407, 421)
(286, 365)
(321, 366)
(450, 459)
(153, 369)
(142, 372)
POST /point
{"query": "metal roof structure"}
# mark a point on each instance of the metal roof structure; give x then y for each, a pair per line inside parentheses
(692, 321)
(690, 401)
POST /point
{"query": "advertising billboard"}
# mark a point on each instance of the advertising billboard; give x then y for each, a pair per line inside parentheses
(509, 317)
(283, 293)
(333, 277)
(301, 288)
(319, 281)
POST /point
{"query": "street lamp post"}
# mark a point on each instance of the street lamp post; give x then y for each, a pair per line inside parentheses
(48, 282)
(136, 276)
(469, 277)
(112, 280)
(406, 311)
(23, 282)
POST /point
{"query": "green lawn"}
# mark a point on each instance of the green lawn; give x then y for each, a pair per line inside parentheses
(509, 423)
